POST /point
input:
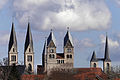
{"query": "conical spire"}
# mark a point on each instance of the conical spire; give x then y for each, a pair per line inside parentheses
(28, 40)
(67, 38)
(13, 40)
(51, 38)
(106, 57)
(45, 45)
(94, 59)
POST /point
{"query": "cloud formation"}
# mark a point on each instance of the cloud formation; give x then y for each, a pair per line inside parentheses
(79, 15)
(4, 39)
(2, 3)
(112, 43)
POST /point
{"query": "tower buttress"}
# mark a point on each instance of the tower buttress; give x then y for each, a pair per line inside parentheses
(28, 51)
(12, 48)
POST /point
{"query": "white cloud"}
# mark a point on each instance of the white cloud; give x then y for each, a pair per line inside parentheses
(118, 2)
(112, 43)
(78, 14)
(87, 43)
(4, 39)
(2, 3)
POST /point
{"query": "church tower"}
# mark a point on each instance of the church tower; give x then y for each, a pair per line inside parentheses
(44, 56)
(93, 61)
(69, 49)
(12, 48)
(51, 51)
(28, 51)
(106, 61)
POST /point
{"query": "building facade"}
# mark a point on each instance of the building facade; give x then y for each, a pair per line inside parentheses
(28, 50)
(106, 60)
(52, 59)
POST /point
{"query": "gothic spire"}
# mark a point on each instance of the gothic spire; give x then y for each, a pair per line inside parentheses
(45, 45)
(67, 38)
(94, 59)
(106, 57)
(51, 38)
(28, 40)
(12, 40)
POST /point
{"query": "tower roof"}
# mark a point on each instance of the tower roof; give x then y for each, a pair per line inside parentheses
(28, 40)
(51, 38)
(106, 57)
(44, 49)
(12, 39)
(94, 59)
(67, 38)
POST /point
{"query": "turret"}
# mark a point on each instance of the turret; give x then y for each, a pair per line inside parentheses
(28, 51)
(94, 61)
(12, 48)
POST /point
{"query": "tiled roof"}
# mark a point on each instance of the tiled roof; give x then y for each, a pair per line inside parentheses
(28, 40)
(60, 55)
(68, 37)
(51, 37)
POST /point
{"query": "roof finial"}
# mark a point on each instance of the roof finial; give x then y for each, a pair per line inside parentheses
(28, 19)
(13, 19)
(51, 30)
(67, 28)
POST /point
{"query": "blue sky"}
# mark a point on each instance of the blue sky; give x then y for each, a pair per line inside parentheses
(89, 20)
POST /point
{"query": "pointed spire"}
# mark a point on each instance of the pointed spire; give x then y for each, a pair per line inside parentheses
(93, 59)
(28, 40)
(45, 45)
(68, 37)
(13, 40)
(51, 38)
(106, 57)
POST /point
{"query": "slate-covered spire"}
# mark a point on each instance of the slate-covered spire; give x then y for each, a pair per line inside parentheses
(106, 57)
(51, 38)
(28, 40)
(68, 38)
(12, 40)
(94, 59)
(45, 46)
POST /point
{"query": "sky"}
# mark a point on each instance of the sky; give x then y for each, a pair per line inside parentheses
(88, 20)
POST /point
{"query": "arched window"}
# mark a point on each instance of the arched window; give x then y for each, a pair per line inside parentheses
(51, 50)
(70, 56)
(13, 50)
(94, 65)
(69, 50)
(50, 56)
(53, 56)
(29, 49)
(67, 56)
(29, 67)
(108, 66)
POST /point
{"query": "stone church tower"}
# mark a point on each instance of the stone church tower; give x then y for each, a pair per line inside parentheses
(12, 48)
(28, 51)
(68, 49)
(51, 59)
(106, 61)
(94, 61)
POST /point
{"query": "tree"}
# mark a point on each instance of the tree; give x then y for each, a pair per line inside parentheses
(114, 73)
(4, 69)
(14, 73)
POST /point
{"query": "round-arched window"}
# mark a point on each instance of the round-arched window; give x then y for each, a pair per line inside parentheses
(29, 67)
(94, 65)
